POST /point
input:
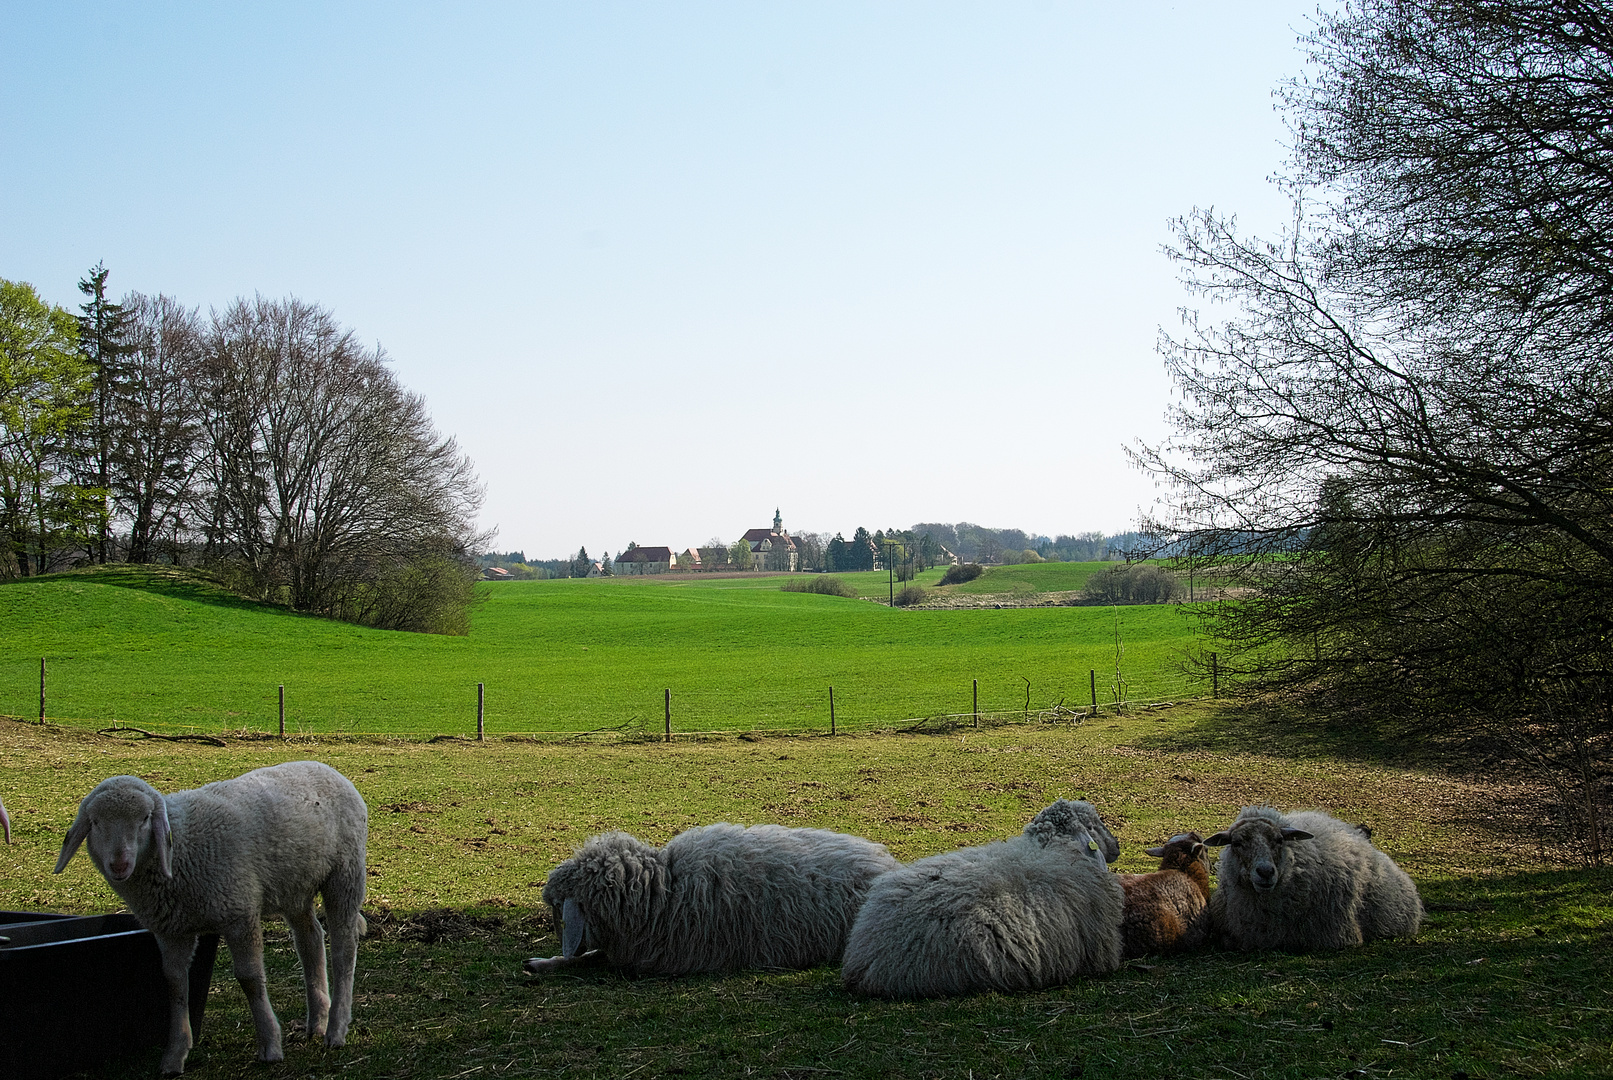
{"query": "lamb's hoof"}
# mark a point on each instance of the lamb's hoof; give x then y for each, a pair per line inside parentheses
(539, 964)
(271, 1056)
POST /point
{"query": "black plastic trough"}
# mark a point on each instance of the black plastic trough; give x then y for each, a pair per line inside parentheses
(77, 991)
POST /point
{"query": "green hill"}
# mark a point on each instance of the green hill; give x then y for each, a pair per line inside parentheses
(154, 649)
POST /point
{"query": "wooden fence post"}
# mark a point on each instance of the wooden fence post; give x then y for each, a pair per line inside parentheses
(1215, 676)
(481, 732)
(41, 689)
(1093, 672)
(831, 710)
(669, 714)
(977, 702)
(282, 710)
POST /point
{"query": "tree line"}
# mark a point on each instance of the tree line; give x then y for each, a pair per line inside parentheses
(262, 442)
(919, 547)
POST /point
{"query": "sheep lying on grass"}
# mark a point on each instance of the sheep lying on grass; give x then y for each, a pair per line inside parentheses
(716, 898)
(5, 821)
(219, 858)
(1306, 881)
(1168, 910)
(1020, 914)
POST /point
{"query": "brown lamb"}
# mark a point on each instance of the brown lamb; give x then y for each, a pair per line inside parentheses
(1169, 910)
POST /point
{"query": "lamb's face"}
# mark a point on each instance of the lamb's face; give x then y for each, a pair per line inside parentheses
(120, 829)
(1257, 852)
(1181, 851)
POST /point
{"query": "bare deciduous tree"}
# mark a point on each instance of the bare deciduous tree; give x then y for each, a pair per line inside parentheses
(1399, 444)
(328, 484)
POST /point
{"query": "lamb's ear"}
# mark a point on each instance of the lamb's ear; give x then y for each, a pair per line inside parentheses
(1156, 852)
(1295, 834)
(1218, 839)
(75, 837)
(161, 835)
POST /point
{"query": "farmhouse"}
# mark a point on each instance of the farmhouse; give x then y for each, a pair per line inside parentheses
(644, 560)
(773, 549)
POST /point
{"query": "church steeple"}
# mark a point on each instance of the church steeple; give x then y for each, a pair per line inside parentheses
(778, 521)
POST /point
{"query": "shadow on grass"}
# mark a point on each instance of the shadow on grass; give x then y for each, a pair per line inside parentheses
(1514, 986)
(180, 583)
(1286, 730)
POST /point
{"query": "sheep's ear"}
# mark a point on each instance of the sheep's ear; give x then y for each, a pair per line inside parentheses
(1295, 834)
(161, 835)
(573, 929)
(1156, 852)
(75, 837)
(1218, 839)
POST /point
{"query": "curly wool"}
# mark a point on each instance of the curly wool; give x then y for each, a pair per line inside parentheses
(1019, 914)
(720, 897)
(1330, 892)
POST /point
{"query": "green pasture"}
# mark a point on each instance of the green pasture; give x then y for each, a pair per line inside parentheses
(146, 649)
(1507, 978)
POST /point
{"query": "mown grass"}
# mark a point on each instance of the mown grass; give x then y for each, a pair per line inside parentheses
(1507, 979)
(148, 649)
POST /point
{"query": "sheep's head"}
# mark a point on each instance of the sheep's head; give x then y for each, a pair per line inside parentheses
(1256, 848)
(1181, 851)
(1074, 815)
(122, 819)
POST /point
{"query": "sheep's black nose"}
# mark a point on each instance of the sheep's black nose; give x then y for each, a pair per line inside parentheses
(1265, 871)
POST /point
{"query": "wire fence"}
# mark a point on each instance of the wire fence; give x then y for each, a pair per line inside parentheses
(1102, 693)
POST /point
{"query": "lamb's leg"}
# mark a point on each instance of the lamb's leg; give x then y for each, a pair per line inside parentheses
(309, 939)
(176, 955)
(343, 897)
(246, 950)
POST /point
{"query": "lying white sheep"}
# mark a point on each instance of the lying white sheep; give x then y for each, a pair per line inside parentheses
(1168, 910)
(1019, 914)
(5, 821)
(1306, 881)
(219, 858)
(716, 898)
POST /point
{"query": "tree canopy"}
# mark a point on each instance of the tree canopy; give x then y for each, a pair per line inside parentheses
(1395, 422)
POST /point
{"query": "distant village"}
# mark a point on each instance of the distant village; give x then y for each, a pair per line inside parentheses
(776, 550)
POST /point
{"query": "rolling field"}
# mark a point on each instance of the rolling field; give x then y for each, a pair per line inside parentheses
(141, 648)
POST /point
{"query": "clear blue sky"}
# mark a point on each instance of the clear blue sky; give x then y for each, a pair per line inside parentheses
(663, 267)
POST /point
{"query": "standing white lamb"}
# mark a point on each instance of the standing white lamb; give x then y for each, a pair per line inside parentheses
(1306, 881)
(219, 858)
(716, 898)
(1020, 914)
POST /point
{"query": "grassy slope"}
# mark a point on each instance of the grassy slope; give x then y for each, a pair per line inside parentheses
(1508, 978)
(554, 655)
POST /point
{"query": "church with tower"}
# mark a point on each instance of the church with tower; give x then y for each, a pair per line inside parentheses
(773, 549)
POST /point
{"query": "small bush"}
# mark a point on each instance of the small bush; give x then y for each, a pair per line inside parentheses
(913, 594)
(828, 586)
(957, 575)
(1141, 583)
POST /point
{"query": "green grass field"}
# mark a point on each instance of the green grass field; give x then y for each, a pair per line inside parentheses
(141, 648)
(1508, 977)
